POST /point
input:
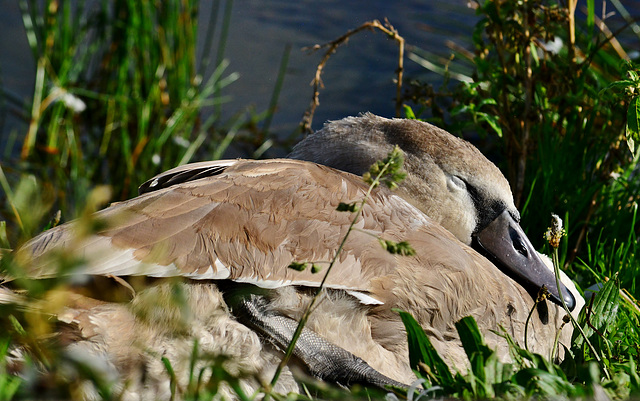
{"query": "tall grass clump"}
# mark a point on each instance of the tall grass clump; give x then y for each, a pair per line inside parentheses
(554, 98)
(541, 92)
(119, 95)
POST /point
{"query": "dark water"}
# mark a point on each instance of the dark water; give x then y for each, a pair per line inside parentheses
(358, 78)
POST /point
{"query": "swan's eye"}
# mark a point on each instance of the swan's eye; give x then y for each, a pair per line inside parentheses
(455, 183)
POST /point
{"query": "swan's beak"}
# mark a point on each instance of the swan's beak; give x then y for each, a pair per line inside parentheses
(508, 247)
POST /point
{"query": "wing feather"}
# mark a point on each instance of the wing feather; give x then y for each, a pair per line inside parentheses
(247, 222)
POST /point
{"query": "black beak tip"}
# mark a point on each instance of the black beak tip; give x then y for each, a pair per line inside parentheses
(569, 299)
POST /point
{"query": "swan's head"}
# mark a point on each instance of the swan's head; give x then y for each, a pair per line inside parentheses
(448, 179)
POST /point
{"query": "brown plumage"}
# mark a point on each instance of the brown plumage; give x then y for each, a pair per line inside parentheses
(245, 221)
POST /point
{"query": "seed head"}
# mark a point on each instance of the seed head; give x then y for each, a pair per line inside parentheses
(555, 233)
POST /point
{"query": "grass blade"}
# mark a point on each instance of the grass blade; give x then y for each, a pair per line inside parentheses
(421, 351)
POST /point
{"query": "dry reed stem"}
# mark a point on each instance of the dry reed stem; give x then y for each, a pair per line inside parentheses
(626, 295)
(332, 46)
(571, 7)
(611, 38)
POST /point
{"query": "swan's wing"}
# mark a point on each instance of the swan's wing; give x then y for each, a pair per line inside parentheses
(247, 222)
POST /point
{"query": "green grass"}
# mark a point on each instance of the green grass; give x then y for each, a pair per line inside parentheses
(564, 125)
(556, 122)
(119, 96)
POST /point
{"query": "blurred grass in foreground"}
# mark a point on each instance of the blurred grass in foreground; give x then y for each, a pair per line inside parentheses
(119, 96)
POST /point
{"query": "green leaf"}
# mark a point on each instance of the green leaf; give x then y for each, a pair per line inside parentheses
(347, 207)
(408, 112)
(397, 248)
(460, 109)
(4, 239)
(172, 375)
(9, 383)
(493, 122)
(472, 340)
(632, 371)
(538, 381)
(619, 85)
(422, 351)
(633, 123)
(602, 313)
(487, 101)
(590, 14)
(485, 366)
(298, 266)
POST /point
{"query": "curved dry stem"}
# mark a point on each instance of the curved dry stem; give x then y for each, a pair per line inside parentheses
(332, 46)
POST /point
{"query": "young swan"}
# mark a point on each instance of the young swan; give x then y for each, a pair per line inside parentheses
(233, 227)
(449, 180)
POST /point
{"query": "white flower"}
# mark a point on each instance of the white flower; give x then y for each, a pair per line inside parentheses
(555, 232)
(73, 102)
(70, 100)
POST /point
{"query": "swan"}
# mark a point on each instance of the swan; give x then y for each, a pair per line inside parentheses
(230, 229)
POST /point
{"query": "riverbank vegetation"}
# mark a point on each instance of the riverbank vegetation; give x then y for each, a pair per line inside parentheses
(549, 91)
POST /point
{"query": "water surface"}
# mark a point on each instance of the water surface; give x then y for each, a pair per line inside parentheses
(358, 78)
